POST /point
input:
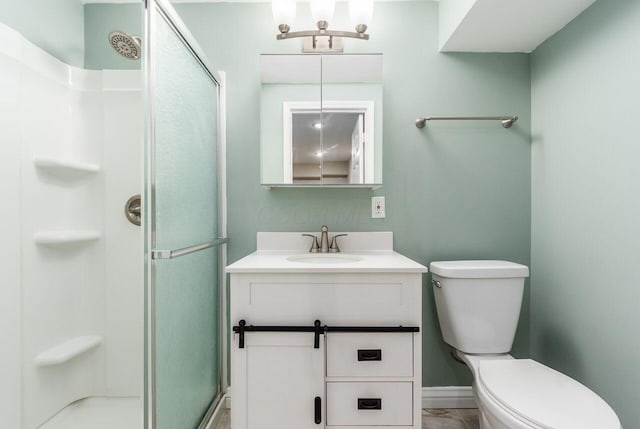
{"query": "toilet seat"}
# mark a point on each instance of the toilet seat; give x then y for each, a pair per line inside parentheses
(544, 397)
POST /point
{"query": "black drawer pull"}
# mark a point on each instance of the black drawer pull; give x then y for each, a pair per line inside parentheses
(369, 354)
(317, 410)
(369, 403)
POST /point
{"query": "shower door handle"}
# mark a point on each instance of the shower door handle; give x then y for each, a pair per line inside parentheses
(176, 253)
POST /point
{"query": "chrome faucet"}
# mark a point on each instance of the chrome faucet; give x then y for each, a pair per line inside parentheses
(314, 243)
(324, 246)
(334, 243)
(324, 239)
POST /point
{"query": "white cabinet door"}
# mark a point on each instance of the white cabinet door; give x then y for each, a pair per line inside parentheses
(278, 377)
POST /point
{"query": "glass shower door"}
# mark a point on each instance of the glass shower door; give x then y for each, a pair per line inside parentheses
(183, 277)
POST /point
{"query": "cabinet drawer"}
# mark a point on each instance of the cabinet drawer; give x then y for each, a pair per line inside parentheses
(370, 355)
(369, 404)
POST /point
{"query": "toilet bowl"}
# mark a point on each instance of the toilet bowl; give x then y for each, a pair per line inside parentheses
(478, 305)
(524, 394)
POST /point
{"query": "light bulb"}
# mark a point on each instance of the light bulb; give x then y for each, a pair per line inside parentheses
(322, 10)
(284, 13)
(361, 12)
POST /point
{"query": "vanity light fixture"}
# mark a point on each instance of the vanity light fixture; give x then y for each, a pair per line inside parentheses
(360, 12)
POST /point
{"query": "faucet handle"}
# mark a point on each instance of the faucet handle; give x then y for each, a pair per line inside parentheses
(314, 243)
(334, 243)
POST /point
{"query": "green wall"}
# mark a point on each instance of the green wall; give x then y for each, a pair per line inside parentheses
(100, 20)
(585, 254)
(55, 26)
(453, 190)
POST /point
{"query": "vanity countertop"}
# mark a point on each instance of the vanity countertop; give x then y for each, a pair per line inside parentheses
(284, 253)
(361, 262)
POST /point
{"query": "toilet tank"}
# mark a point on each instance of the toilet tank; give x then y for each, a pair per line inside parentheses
(478, 303)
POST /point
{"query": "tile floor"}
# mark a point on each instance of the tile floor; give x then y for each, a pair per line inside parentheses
(463, 418)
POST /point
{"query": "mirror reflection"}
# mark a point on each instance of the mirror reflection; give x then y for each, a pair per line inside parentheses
(338, 162)
(321, 126)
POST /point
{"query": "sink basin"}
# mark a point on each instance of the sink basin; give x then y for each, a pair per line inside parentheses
(332, 258)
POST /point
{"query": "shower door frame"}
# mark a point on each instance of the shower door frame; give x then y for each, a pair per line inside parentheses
(168, 13)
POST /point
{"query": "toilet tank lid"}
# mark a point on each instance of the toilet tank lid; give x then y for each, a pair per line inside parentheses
(544, 396)
(478, 269)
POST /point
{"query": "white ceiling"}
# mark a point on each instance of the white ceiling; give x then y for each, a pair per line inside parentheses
(336, 137)
(503, 25)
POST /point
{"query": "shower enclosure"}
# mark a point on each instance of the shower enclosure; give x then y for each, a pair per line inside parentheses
(105, 323)
(184, 231)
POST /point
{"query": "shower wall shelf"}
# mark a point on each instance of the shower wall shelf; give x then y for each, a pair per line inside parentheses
(68, 350)
(56, 238)
(64, 167)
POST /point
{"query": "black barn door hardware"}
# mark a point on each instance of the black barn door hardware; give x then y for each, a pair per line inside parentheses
(372, 329)
(317, 410)
(317, 329)
(369, 403)
(369, 355)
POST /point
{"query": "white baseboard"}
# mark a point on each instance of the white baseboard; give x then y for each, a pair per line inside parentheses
(216, 415)
(448, 397)
(227, 398)
(432, 397)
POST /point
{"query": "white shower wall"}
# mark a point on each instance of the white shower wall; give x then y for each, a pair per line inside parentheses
(10, 308)
(124, 298)
(59, 291)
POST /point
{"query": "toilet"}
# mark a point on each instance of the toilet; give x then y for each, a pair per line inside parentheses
(478, 304)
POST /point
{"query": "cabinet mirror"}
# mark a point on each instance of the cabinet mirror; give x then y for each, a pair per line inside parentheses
(321, 120)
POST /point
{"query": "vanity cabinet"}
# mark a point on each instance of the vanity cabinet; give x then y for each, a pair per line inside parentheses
(360, 367)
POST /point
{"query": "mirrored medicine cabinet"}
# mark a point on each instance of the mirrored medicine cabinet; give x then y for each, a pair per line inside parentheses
(321, 120)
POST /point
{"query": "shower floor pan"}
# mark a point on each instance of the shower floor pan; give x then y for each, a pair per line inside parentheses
(98, 413)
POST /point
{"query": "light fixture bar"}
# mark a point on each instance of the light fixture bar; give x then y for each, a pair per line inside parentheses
(322, 33)
(360, 12)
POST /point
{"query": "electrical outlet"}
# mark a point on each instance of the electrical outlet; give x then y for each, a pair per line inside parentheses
(377, 207)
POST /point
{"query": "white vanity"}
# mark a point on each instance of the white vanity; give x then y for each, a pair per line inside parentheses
(326, 339)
